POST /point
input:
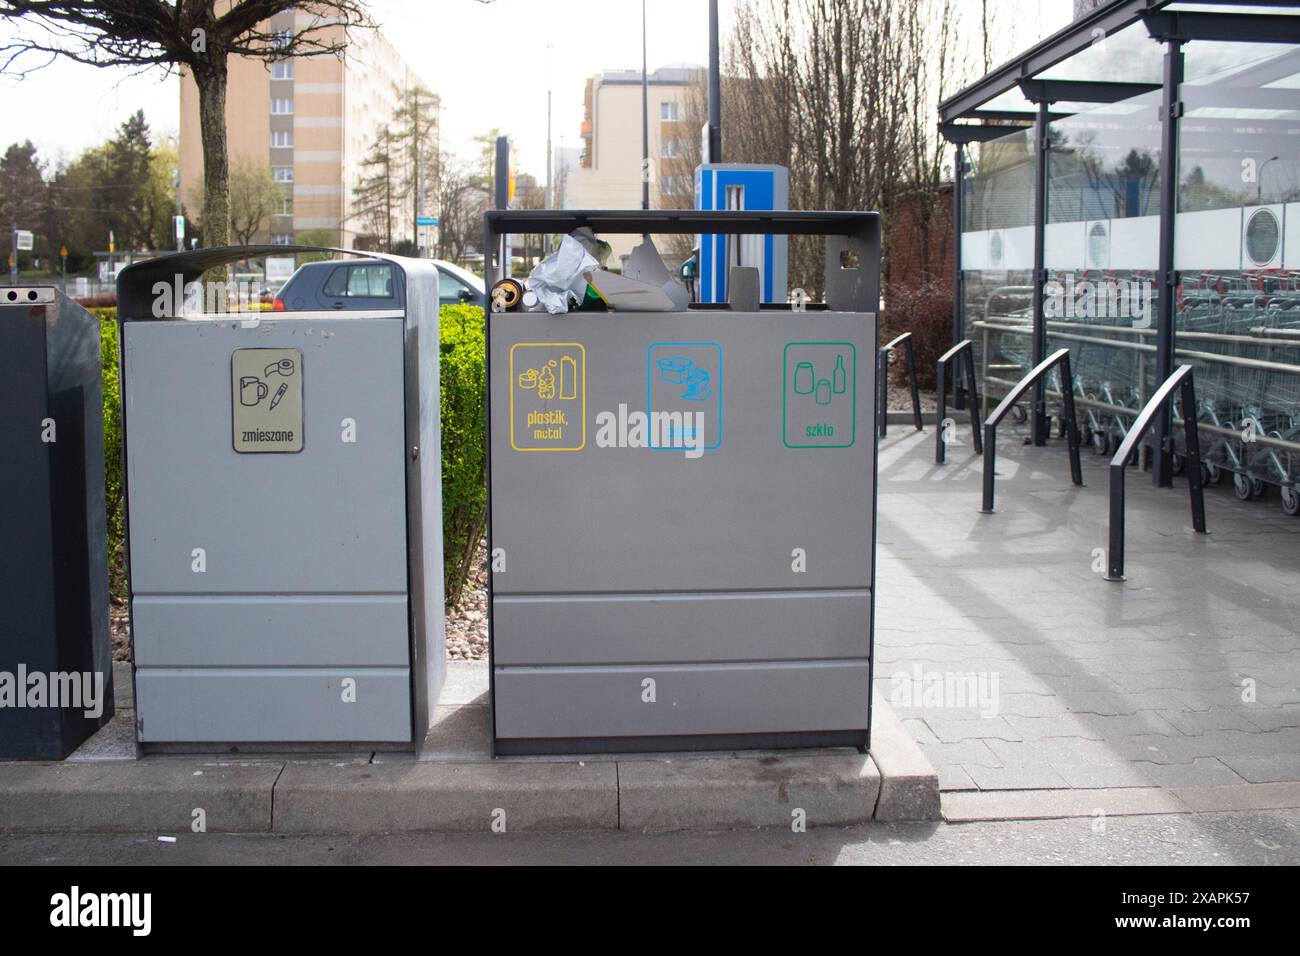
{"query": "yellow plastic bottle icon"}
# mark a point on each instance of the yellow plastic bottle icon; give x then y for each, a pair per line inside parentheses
(568, 377)
(546, 382)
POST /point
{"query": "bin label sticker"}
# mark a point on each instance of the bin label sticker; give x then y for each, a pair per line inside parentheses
(548, 396)
(819, 395)
(266, 400)
(684, 394)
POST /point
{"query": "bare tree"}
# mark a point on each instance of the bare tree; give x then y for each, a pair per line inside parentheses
(199, 35)
(462, 197)
(844, 94)
(375, 194)
(254, 198)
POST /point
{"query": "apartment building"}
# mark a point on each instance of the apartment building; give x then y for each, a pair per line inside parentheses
(608, 174)
(312, 120)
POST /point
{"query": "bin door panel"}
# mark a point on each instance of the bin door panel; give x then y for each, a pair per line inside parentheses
(573, 703)
(580, 504)
(328, 518)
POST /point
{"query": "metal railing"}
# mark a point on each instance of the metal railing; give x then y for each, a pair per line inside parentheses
(882, 381)
(1180, 382)
(966, 350)
(1059, 357)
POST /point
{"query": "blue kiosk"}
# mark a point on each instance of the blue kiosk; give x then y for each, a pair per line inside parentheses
(733, 186)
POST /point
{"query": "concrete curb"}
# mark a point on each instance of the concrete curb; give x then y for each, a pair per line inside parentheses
(411, 796)
(909, 788)
(455, 786)
(981, 805)
(159, 796)
(722, 793)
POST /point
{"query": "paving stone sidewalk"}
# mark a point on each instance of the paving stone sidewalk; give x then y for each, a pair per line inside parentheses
(1016, 665)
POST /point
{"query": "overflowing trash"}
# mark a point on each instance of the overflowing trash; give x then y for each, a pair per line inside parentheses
(575, 277)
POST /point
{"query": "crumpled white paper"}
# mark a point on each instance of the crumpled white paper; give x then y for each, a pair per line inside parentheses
(557, 279)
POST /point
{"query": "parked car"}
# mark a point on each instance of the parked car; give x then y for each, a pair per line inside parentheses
(358, 284)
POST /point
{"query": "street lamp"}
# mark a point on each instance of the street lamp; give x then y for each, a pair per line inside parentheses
(1259, 181)
(645, 119)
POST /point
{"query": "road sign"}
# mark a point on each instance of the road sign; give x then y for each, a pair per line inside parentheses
(24, 240)
(426, 220)
(179, 226)
(63, 251)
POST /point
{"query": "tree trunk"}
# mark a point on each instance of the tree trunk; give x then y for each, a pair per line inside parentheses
(211, 81)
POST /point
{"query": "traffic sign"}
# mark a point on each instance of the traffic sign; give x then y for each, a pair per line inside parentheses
(426, 220)
(24, 240)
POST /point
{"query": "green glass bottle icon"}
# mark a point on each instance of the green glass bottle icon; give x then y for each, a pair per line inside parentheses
(838, 377)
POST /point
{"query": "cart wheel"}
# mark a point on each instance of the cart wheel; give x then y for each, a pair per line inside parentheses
(1241, 485)
(1101, 443)
(1291, 501)
(1018, 415)
(1179, 464)
(1211, 474)
(1257, 487)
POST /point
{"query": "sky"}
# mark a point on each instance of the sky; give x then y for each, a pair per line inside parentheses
(491, 63)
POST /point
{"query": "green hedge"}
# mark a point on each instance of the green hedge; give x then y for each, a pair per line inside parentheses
(112, 450)
(464, 438)
(464, 457)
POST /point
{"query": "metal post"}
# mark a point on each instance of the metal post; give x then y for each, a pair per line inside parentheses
(645, 119)
(1036, 375)
(916, 389)
(958, 168)
(1038, 421)
(715, 88)
(1158, 404)
(960, 354)
(973, 398)
(1162, 471)
(1192, 440)
(501, 198)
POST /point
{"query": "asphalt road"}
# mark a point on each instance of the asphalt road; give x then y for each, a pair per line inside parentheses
(1264, 838)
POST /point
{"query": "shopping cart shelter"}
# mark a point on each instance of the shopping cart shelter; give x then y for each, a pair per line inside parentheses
(1129, 189)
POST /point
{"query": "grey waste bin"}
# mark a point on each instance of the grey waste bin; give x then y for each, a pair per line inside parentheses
(284, 514)
(56, 675)
(646, 595)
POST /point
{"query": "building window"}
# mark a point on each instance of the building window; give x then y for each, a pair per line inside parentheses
(281, 238)
(669, 149)
(285, 206)
(675, 185)
(281, 137)
(281, 107)
(282, 70)
(668, 112)
(281, 38)
(282, 174)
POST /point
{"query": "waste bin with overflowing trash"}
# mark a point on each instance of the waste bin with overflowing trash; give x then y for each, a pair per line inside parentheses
(682, 531)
